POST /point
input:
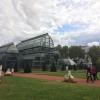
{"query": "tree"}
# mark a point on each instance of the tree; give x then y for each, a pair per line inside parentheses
(65, 52)
(59, 49)
(27, 66)
(53, 65)
(94, 53)
(97, 64)
(56, 57)
(44, 66)
(76, 51)
(45, 63)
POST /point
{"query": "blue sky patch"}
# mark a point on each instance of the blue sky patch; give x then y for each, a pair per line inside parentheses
(71, 27)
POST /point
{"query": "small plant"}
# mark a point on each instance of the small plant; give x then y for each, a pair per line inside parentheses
(53, 67)
(27, 69)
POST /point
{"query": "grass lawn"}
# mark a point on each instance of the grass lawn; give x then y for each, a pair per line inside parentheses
(14, 88)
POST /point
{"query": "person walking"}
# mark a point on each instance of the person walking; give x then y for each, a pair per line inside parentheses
(1, 73)
(89, 74)
(94, 73)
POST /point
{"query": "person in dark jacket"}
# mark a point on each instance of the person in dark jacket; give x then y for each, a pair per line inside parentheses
(94, 73)
(89, 75)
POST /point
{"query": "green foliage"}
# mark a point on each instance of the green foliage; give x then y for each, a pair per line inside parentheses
(44, 67)
(27, 69)
(94, 52)
(76, 51)
(56, 57)
(53, 66)
(73, 51)
(63, 50)
(59, 48)
(98, 64)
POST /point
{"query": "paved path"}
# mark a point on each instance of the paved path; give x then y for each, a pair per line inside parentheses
(56, 78)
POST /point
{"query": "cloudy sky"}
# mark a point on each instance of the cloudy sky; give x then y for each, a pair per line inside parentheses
(69, 22)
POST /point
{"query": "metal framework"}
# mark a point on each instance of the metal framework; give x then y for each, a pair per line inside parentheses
(35, 51)
(8, 56)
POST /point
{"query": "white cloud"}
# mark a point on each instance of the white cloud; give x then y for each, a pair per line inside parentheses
(21, 19)
(93, 44)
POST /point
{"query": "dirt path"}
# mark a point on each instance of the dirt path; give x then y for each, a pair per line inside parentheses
(56, 78)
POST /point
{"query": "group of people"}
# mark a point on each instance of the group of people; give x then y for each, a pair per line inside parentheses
(8, 72)
(91, 73)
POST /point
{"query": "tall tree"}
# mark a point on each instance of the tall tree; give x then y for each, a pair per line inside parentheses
(76, 51)
(65, 52)
(59, 49)
(94, 52)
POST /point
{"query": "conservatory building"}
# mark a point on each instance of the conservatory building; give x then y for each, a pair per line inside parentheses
(8, 56)
(36, 51)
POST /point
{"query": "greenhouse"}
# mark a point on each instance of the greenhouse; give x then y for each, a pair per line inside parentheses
(8, 56)
(36, 52)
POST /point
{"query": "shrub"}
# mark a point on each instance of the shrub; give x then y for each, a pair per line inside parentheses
(98, 64)
(27, 69)
(53, 67)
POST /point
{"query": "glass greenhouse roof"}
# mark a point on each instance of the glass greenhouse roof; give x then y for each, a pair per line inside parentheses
(41, 40)
(8, 48)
